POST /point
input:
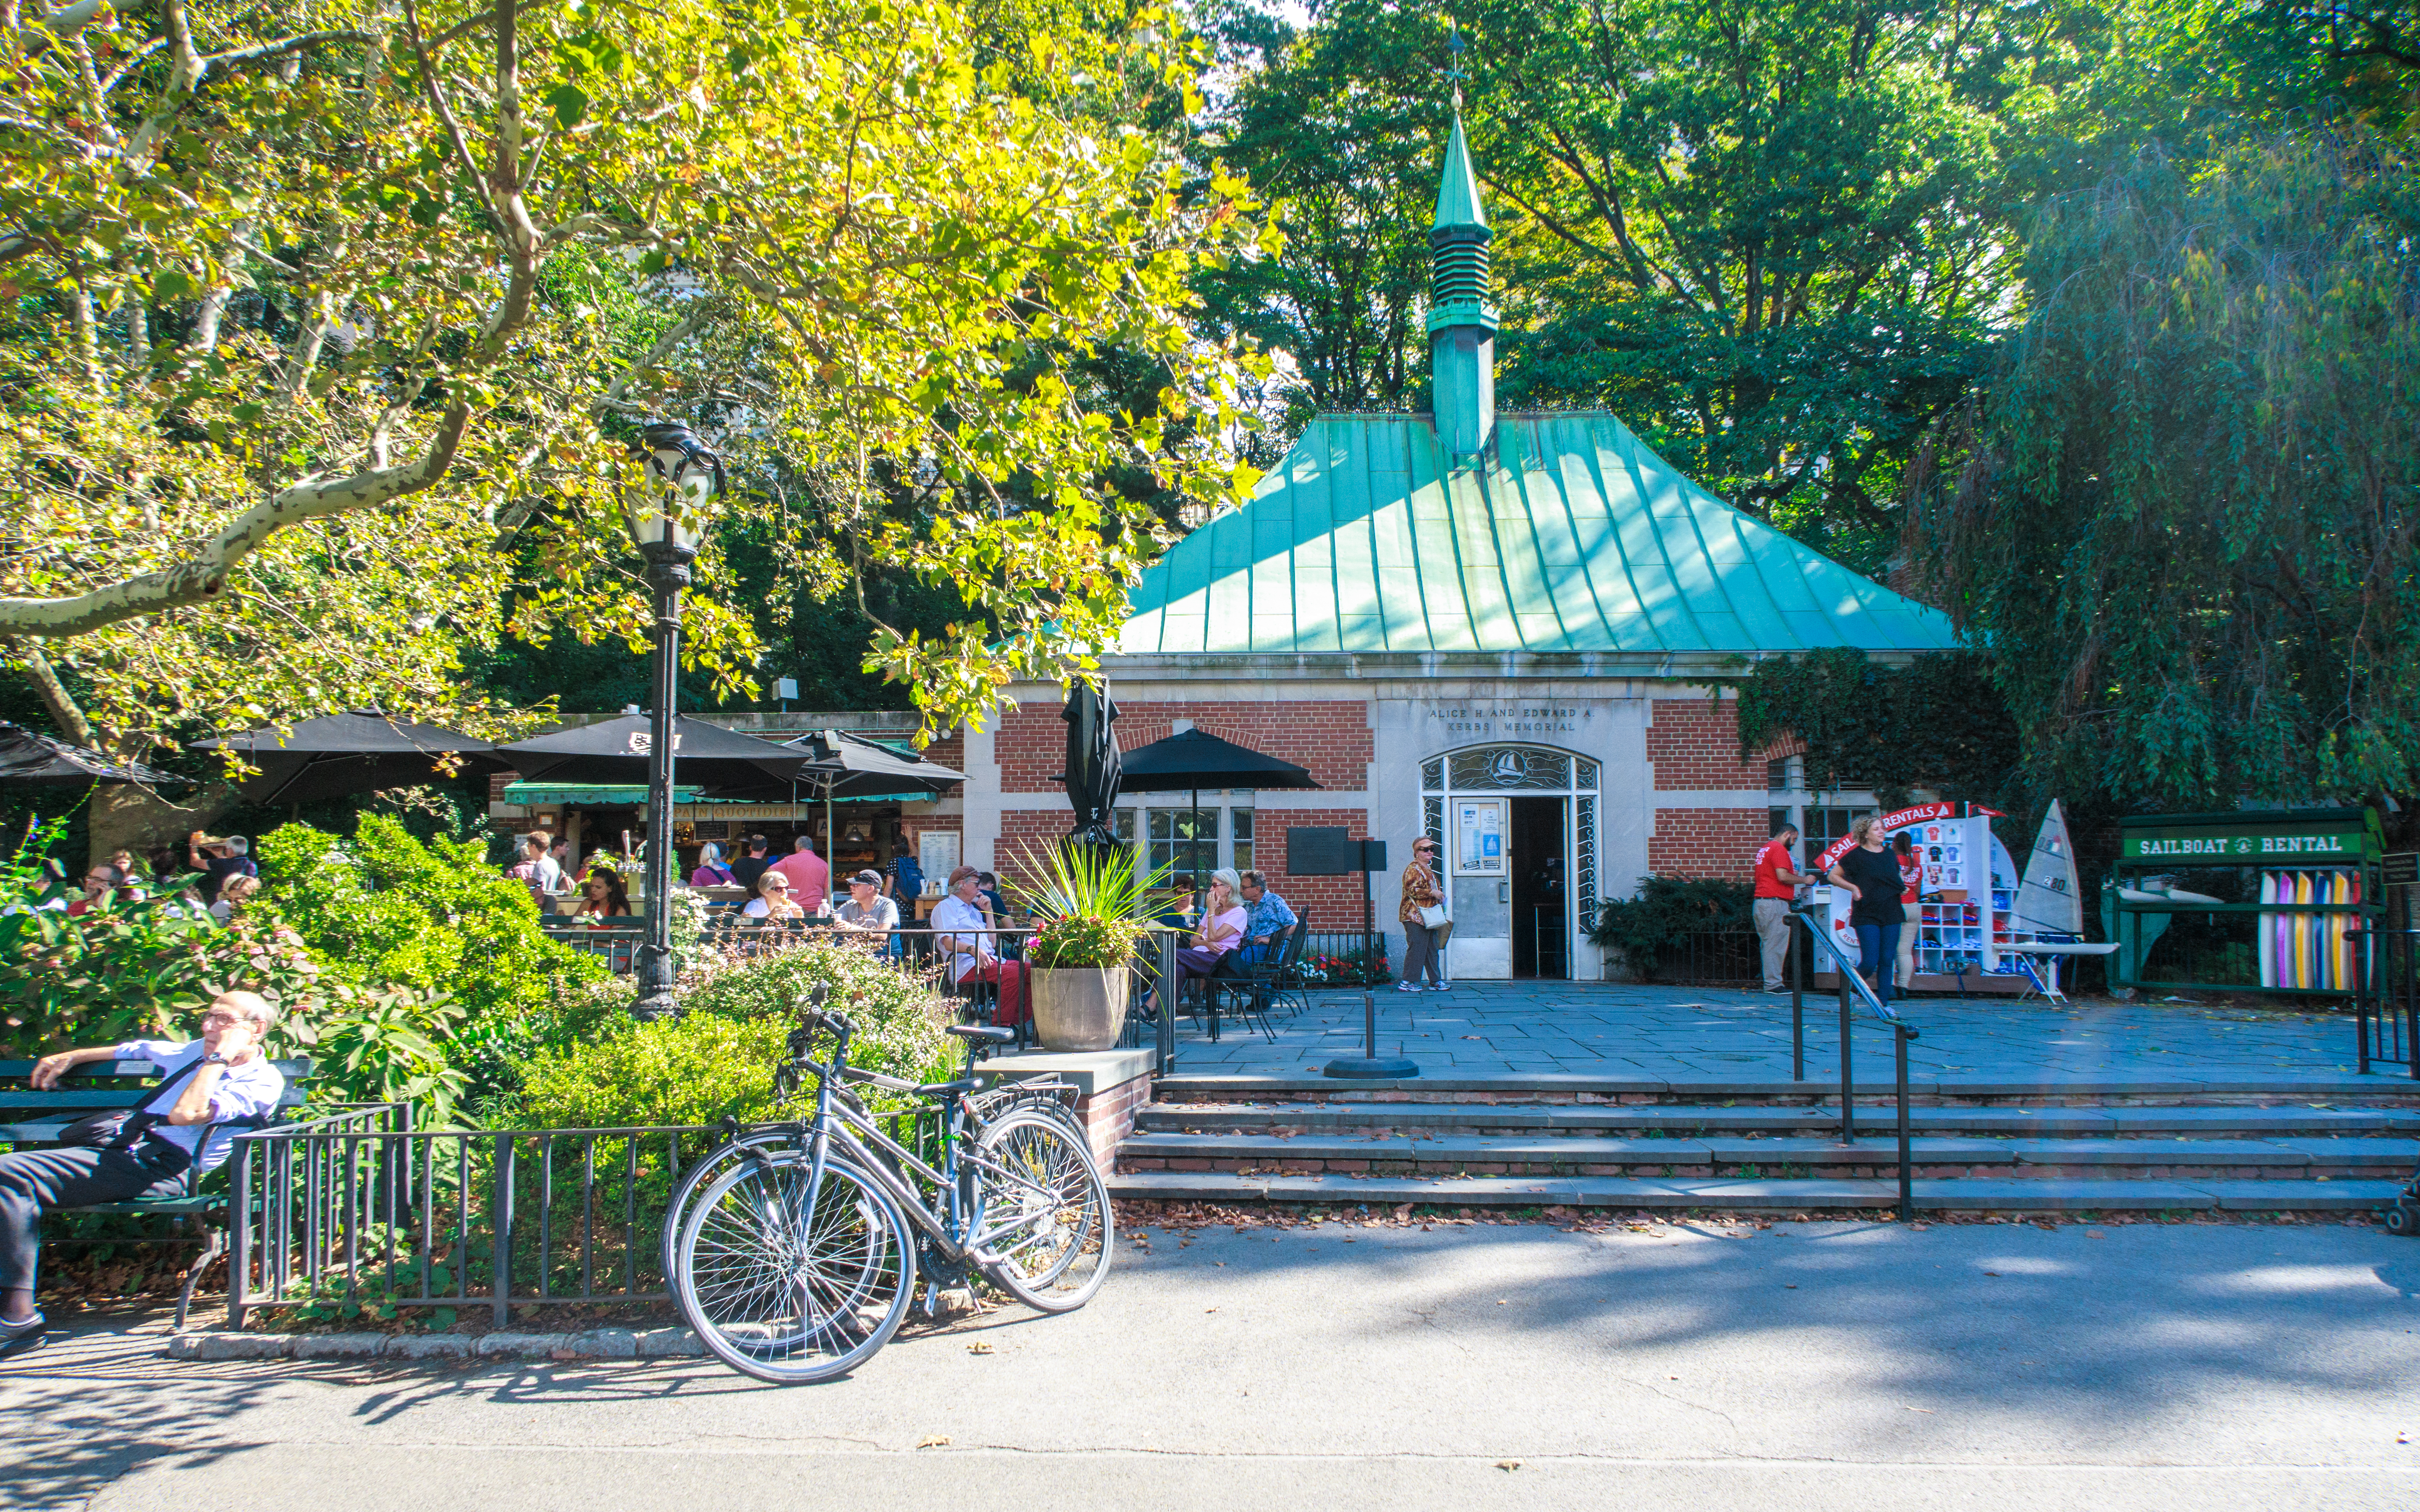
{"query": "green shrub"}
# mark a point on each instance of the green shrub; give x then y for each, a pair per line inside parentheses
(1665, 912)
(669, 1072)
(387, 911)
(605, 1070)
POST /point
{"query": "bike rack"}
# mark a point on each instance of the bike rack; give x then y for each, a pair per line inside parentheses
(1901, 1032)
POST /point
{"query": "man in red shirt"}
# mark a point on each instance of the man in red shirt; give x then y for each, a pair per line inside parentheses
(810, 876)
(1778, 881)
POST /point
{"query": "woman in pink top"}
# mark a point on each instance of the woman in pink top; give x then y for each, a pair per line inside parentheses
(1222, 931)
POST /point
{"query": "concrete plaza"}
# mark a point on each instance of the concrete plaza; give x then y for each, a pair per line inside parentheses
(1865, 1367)
(1705, 1034)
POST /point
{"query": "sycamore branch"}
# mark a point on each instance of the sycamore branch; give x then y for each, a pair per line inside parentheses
(54, 693)
(202, 577)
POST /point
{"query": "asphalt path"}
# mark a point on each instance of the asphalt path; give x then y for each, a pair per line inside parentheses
(1806, 1366)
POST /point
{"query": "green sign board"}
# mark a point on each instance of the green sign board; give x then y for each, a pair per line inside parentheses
(2316, 836)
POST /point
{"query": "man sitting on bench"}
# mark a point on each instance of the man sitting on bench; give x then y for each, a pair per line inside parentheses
(221, 1077)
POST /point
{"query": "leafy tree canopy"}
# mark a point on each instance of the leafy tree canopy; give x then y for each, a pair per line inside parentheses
(320, 316)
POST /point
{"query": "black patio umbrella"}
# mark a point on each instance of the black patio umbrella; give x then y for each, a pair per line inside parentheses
(1192, 760)
(616, 751)
(1095, 770)
(29, 759)
(347, 753)
(846, 767)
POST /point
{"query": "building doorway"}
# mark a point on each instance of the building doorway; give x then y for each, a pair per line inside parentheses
(1541, 889)
(1498, 812)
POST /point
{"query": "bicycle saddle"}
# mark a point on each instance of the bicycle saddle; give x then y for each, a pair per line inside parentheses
(989, 1034)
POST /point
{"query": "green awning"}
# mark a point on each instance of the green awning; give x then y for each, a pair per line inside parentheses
(602, 795)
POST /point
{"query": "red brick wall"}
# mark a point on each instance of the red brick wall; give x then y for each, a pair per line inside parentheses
(949, 749)
(1694, 743)
(1328, 903)
(1706, 842)
(1330, 737)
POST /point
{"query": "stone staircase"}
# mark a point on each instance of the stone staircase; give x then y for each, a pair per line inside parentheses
(1977, 1148)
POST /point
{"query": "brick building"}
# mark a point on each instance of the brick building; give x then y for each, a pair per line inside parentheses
(1497, 629)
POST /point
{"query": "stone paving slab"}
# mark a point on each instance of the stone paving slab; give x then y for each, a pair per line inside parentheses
(1719, 1035)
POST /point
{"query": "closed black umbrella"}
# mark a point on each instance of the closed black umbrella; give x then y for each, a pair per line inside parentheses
(1094, 770)
(31, 760)
(1192, 760)
(616, 751)
(347, 754)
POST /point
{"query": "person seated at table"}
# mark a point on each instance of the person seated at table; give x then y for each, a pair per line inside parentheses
(1265, 917)
(233, 894)
(967, 945)
(773, 902)
(98, 884)
(1220, 933)
(867, 912)
(603, 895)
(710, 871)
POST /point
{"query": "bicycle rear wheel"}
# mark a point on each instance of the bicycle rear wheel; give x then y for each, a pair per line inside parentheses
(790, 1285)
(1044, 1233)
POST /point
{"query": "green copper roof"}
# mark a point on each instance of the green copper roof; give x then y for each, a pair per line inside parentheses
(1573, 537)
(1458, 185)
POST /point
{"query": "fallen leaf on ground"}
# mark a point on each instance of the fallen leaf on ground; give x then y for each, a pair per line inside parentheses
(932, 1440)
(1209, 1309)
(1508, 1464)
(2094, 1233)
(981, 1349)
(1925, 1409)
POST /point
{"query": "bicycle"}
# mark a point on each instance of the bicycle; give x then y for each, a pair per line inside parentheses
(794, 1249)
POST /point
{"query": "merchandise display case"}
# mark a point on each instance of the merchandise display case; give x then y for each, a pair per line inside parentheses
(1961, 915)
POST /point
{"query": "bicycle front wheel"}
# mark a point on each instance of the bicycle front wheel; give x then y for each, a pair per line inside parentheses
(792, 1285)
(1043, 1230)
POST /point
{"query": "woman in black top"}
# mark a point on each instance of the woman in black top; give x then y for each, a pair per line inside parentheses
(1871, 873)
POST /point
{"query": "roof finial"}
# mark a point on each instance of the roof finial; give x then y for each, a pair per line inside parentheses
(1453, 46)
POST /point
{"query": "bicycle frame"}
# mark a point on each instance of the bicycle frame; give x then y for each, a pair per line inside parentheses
(957, 1230)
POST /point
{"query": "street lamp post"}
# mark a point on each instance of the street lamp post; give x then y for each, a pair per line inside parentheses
(667, 515)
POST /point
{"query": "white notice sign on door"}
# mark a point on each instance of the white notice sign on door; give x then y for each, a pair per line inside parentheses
(1479, 837)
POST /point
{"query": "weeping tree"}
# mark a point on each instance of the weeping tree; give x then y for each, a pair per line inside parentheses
(2182, 526)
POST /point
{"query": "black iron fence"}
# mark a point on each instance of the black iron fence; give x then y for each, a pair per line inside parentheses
(2390, 1011)
(359, 1212)
(1711, 957)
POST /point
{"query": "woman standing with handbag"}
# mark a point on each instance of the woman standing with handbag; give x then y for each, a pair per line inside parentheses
(1425, 921)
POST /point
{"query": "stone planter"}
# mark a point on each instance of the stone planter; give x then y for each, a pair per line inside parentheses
(1079, 1009)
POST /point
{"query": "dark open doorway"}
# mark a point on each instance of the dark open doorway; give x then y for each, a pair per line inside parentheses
(1540, 931)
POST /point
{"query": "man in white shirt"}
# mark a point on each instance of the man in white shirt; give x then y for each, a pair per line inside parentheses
(967, 946)
(220, 1078)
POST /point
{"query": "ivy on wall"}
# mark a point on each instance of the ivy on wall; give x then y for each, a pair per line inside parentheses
(1936, 723)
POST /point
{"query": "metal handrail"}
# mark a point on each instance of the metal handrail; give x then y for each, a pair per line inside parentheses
(1901, 1032)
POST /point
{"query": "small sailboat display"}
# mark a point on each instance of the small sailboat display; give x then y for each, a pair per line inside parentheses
(2048, 899)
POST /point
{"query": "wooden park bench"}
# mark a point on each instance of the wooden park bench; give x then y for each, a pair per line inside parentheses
(31, 1120)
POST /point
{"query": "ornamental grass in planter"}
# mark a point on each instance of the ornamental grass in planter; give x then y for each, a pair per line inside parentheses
(1091, 907)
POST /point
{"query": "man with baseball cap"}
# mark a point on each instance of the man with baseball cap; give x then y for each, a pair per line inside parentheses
(867, 911)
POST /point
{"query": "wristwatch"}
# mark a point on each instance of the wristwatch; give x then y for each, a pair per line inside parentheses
(214, 1059)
